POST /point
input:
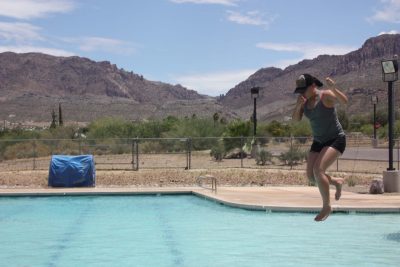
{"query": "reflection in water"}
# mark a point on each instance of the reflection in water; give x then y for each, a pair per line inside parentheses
(394, 237)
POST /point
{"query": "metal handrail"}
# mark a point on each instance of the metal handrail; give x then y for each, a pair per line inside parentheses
(213, 182)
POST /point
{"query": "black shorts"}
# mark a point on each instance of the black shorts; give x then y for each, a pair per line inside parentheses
(338, 143)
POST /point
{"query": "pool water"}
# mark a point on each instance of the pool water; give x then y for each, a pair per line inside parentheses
(185, 230)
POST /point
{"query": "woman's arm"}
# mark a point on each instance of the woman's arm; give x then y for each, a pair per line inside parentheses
(334, 94)
(299, 109)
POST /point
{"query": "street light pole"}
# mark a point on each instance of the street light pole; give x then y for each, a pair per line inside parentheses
(391, 177)
(254, 94)
(255, 117)
(391, 124)
(374, 121)
(374, 100)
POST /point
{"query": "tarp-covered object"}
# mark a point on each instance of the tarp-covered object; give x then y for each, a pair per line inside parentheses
(72, 171)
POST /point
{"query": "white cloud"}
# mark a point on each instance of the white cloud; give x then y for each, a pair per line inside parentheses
(306, 50)
(250, 18)
(91, 44)
(389, 32)
(35, 49)
(19, 32)
(214, 2)
(29, 9)
(214, 84)
(389, 12)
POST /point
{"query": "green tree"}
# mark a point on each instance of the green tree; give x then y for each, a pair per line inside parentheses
(277, 129)
(53, 124)
(236, 128)
(215, 118)
(60, 117)
(382, 117)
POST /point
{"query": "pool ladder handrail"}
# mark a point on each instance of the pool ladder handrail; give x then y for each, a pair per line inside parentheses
(213, 182)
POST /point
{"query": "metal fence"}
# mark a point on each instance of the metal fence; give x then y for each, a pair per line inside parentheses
(192, 153)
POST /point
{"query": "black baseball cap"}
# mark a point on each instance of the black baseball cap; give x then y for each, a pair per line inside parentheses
(304, 81)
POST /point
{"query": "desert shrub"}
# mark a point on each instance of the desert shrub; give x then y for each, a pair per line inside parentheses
(120, 149)
(19, 151)
(293, 156)
(301, 130)
(236, 128)
(351, 181)
(367, 129)
(150, 147)
(218, 152)
(277, 129)
(263, 156)
(343, 118)
(110, 128)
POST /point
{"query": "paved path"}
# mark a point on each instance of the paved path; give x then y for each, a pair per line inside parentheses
(369, 153)
(272, 198)
(359, 153)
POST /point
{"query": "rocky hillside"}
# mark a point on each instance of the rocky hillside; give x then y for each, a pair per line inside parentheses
(33, 84)
(358, 73)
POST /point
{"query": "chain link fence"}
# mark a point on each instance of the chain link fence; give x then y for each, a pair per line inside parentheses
(193, 153)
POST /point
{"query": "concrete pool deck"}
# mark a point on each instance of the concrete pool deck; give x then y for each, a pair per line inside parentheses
(273, 198)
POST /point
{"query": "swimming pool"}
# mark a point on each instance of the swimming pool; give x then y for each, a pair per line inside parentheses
(185, 230)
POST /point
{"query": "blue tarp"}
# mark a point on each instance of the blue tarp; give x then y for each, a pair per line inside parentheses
(72, 171)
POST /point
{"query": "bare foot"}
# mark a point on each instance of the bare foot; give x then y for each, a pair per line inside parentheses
(339, 183)
(324, 213)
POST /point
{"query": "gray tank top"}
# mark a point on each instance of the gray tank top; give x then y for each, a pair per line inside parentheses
(324, 122)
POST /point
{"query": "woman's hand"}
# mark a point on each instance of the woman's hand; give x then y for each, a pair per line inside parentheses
(330, 82)
(301, 100)
(335, 93)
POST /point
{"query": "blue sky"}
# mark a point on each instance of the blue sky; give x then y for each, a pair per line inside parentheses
(205, 45)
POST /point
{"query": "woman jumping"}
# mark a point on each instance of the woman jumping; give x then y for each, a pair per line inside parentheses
(329, 140)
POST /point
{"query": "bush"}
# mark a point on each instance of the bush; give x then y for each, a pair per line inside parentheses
(277, 129)
(293, 156)
(301, 130)
(218, 152)
(236, 128)
(351, 181)
(343, 119)
(263, 156)
(151, 147)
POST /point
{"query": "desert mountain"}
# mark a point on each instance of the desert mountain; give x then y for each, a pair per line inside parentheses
(32, 84)
(358, 73)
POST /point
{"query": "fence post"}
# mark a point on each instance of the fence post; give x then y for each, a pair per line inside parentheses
(133, 154)
(291, 149)
(188, 153)
(80, 145)
(34, 154)
(398, 163)
(241, 151)
(137, 153)
(337, 164)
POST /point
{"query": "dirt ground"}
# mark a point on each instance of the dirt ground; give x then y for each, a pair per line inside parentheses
(198, 161)
(179, 177)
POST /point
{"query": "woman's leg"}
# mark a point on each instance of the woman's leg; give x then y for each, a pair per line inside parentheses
(326, 157)
(337, 182)
(312, 157)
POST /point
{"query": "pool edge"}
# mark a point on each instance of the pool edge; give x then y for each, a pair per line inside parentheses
(198, 192)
